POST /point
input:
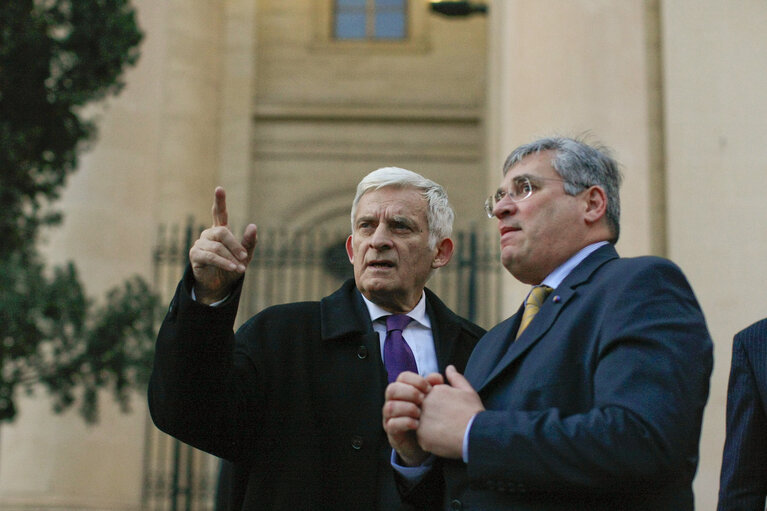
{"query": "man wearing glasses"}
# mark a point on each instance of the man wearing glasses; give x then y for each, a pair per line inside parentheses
(591, 396)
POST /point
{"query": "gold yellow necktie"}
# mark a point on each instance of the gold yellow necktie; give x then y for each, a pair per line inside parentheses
(532, 305)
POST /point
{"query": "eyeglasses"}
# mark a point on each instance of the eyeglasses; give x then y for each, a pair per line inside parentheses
(521, 188)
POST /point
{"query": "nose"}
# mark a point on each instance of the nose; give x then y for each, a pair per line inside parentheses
(381, 239)
(504, 207)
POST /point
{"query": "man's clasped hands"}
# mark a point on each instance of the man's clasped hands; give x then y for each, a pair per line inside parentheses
(424, 416)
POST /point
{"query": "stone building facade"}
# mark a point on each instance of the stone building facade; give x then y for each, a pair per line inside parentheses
(258, 96)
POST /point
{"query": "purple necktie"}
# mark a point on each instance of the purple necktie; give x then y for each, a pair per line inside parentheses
(397, 354)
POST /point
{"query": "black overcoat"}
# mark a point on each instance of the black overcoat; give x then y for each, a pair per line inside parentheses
(294, 399)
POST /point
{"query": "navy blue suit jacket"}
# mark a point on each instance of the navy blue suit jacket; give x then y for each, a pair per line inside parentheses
(598, 404)
(744, 465)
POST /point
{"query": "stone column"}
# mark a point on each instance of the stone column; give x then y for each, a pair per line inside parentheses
(562, 67)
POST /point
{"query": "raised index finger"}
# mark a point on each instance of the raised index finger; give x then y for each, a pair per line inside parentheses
(220, 215)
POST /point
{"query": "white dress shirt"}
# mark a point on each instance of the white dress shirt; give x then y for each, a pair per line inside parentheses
(417, 334)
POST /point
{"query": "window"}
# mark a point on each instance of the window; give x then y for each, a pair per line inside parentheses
(370, 26)
(370, 19)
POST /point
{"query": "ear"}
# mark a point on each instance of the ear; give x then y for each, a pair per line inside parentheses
(350, 249)
(444, 253)
(596, 204)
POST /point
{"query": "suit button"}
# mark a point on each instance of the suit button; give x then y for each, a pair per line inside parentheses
(362, 352)
(357, 442)
(456, 505)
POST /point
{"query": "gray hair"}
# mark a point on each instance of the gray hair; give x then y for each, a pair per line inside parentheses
(439, 213)
(580, 165)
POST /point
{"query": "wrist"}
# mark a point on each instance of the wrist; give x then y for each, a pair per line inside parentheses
(411, 460)
(204, 298)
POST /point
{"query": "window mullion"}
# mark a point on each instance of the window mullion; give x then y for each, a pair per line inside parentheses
(370, 19)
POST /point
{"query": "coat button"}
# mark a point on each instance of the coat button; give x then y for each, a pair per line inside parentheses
(357, 442)
(362, 352)
(456, 505)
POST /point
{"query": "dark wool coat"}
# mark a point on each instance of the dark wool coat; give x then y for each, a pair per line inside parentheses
(294, 399)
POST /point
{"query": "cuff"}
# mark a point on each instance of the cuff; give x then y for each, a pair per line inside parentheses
(465, 449)
(412, 475)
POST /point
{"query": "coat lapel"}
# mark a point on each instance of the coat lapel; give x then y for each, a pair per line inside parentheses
(445, 329)
(345, 318)
(532, 335)
(505, 350)
(489, 351)
(344, 313)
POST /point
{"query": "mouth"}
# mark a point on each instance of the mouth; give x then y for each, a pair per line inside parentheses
(505, 229)
(380, 264)
(508, 235)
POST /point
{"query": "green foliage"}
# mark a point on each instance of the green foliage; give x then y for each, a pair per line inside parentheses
(51, 334)
(57, 56)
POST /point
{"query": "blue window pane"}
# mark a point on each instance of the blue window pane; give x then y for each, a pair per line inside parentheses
(390, 26)
(351, 3)
(350, 25)
(391, 3)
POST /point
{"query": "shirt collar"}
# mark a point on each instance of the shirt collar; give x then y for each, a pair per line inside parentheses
(556, 277)
(418, 313)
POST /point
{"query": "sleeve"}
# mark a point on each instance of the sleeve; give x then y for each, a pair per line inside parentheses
(640, 356)
(196, 389)
(411, 476)
(743, 480)
(423, 493)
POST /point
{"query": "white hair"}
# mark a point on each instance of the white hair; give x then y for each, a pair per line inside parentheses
(439, 215)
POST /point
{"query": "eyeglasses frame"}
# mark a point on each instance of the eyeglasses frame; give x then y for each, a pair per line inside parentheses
(491, 201)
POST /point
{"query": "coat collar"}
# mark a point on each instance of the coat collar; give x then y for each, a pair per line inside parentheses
(445, 329)
(344, 314)
(501, 351)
